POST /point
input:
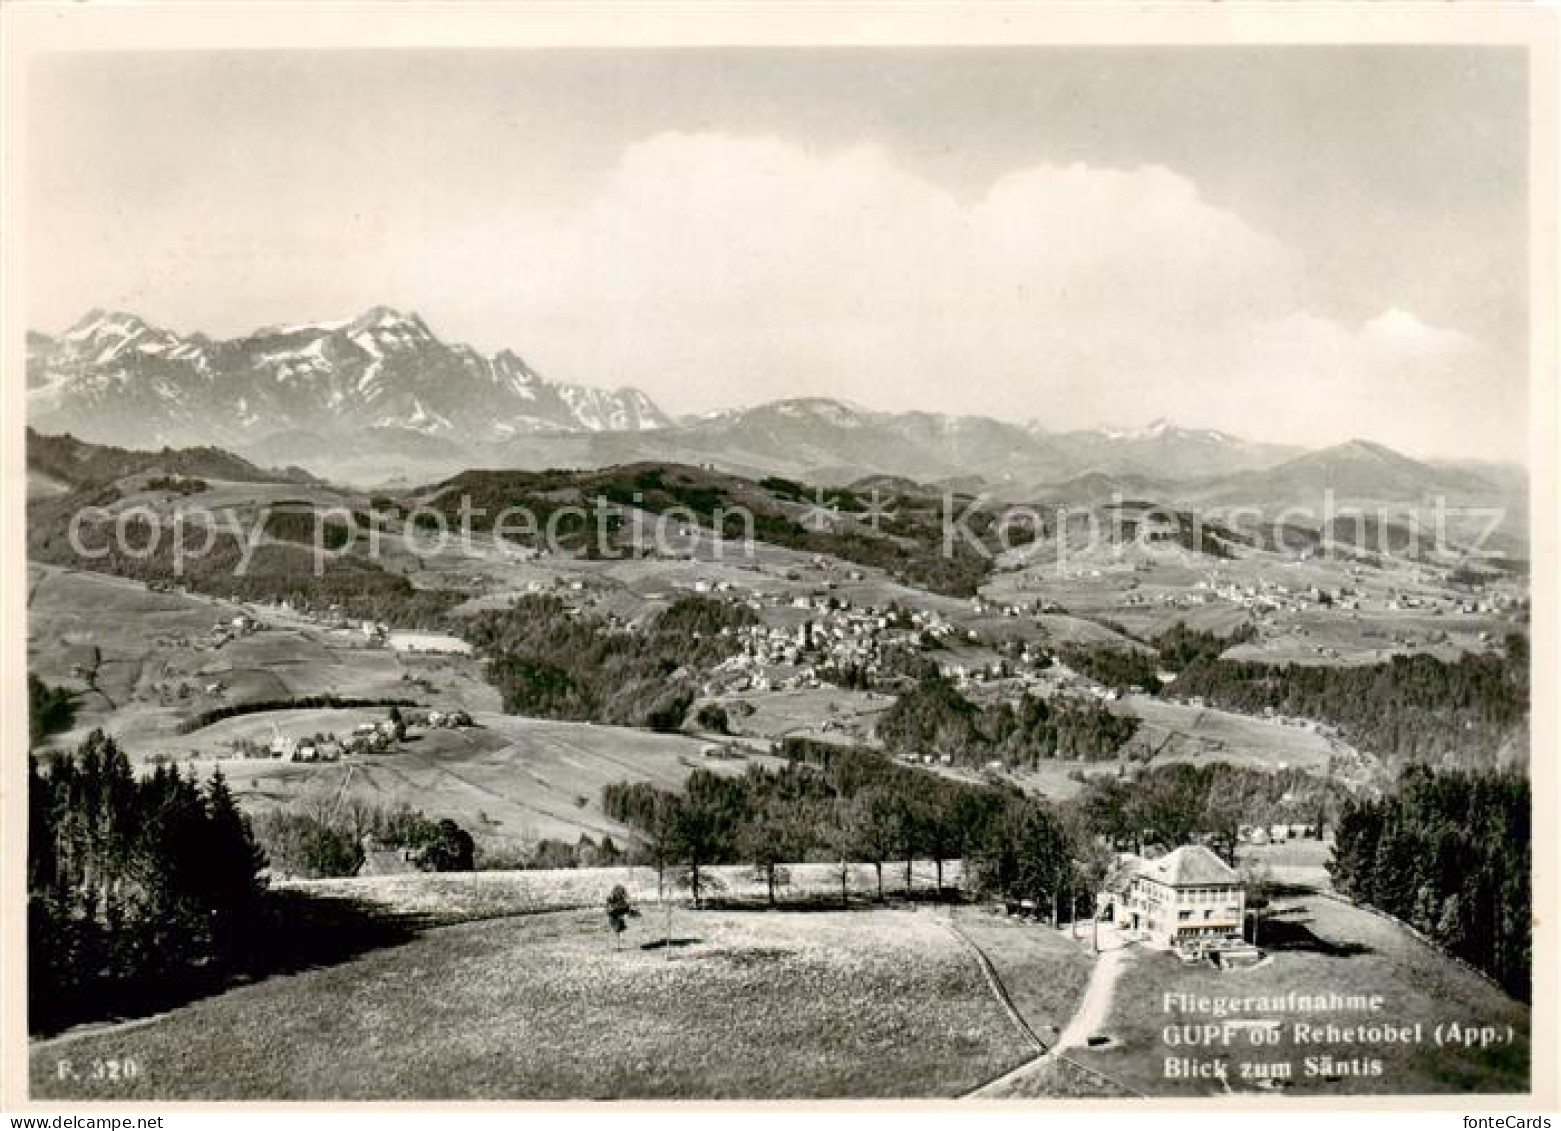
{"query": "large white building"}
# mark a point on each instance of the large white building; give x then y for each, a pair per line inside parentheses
(1189, 899)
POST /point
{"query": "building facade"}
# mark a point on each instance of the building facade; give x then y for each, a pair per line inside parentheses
(1189, 899)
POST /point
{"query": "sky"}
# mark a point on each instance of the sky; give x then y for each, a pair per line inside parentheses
(1297, 244)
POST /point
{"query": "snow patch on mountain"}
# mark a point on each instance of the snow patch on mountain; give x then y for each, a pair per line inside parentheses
(113, 372)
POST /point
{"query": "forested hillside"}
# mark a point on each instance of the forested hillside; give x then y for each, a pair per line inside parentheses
(553, 665)
(134, 885)
(1411, 709)
(934, 718)
(1450, 854)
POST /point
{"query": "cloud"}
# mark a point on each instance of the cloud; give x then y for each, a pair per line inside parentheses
(715, 270)
(1391, 378)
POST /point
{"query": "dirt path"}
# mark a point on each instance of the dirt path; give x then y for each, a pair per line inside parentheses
(1095, 1006)
(1087, 1020)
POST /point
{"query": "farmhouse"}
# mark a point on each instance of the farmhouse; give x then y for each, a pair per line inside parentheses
(385, 860)
(1189, 899)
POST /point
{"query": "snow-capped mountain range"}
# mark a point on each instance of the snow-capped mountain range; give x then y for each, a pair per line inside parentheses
(827, 433)
(380, 397)
(113, 376)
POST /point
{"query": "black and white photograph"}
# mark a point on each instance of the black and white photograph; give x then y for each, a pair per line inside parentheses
(1003, 569)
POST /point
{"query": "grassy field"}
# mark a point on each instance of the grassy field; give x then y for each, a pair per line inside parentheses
(1326, 947)
(141, 662)
(851, 715)
(1044, 971)
(1176, 732)
(1148, 590)
(1296, 863)
(508, 779)
(742, 1005)
(454, 897)
(531, 1002)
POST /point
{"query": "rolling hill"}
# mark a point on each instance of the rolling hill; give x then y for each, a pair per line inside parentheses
(72, 463)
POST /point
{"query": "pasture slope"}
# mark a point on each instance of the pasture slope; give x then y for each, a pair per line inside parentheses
(514, 988)
(742, 1005)
(507, 779)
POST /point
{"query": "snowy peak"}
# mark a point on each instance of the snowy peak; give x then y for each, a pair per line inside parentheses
(99, 325)
(1163, 428)
(105, 335)
(113, 374)
(788, 412)
(382, 330)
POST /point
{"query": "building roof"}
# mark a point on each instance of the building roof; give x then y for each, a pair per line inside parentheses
(1190, 865)
(385, 862)
(1121, 873)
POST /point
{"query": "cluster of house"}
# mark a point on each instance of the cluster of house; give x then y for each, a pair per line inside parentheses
(366, 738)
(373, 737)
(1276, 596)
(982, 607)
(241, 625)
(1468, 606)
(1276, 833)
(965, 673)
(836, 634)
(938, 760)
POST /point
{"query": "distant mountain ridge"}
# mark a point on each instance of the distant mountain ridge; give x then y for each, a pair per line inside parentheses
(803, 434)
(379, 398)
(113, 376)
(1355, 469)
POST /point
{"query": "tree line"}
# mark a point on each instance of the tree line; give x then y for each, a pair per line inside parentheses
(328, 838)
(134, 885)
(49, 709)
(1409, 709)
(291, 703)
(909, 543)
(847, 806)
(1450, 854)
(1171, 805)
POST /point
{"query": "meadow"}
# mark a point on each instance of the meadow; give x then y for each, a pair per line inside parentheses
(1178, 732)
(507, 779)
(459, 896)
(742, 1005)
(143, 661)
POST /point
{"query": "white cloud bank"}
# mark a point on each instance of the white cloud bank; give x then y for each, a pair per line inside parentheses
(714, 270)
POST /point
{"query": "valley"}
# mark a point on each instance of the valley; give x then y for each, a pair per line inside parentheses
(538, 663)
